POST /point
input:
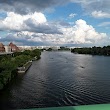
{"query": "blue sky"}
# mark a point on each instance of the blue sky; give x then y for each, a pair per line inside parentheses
(64, 11)
(53, 22)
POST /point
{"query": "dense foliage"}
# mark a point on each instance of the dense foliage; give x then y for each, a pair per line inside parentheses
(94, 50)
(9, 64)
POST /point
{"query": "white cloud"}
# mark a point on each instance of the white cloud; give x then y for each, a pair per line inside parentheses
(15, 21)
(31, 30)
(100, 14)
(35, 22)
(82, 33)
(104, 24)
(72, 15)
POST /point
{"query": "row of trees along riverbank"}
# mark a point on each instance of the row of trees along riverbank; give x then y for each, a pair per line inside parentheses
(9, 64)
(93, 50)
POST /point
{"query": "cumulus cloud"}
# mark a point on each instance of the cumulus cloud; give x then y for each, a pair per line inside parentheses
(100, 14)
(79, 33)
(23, 38)
(47, 28)
(35, 22)
(15, 21)
(82, 33)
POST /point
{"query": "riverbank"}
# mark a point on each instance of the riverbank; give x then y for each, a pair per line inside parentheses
(25, 67)
(93, 50)
(10, 63)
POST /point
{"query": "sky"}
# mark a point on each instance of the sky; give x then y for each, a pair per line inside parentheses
(73, 23)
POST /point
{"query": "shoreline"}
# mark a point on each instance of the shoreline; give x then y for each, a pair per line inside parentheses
(24, 68)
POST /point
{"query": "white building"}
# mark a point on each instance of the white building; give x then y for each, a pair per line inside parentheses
(55, 47)
(7, 49)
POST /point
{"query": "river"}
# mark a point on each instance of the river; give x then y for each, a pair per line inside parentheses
(60, 79)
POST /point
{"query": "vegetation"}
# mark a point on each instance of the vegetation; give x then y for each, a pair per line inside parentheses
(49, 49)
(61, 48)
(9, 64)
(94, 50)
(64, 48)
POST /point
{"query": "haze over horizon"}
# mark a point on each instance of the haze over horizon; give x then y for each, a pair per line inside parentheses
(55, 22)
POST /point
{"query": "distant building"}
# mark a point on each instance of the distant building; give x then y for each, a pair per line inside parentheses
(14, 48)
(39, 47)
(7, 49)
(55, 47)
(2, 48)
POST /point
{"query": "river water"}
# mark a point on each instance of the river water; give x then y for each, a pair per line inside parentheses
(60, 79)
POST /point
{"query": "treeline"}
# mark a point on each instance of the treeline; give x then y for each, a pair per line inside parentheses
(59, 49)
(64, 48)
(94, 50)
(9, 64)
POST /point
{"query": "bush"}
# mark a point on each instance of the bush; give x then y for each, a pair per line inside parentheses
(5, 77)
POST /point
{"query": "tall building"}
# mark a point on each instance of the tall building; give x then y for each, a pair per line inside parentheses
(14, 48)
(2, 48)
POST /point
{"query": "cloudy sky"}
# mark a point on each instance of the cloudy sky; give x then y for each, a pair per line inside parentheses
(55, 22)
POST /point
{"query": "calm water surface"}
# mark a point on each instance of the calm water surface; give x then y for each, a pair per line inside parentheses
(60, 79)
